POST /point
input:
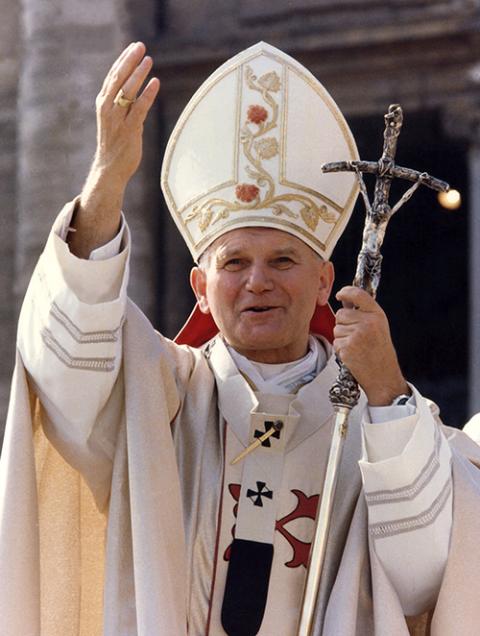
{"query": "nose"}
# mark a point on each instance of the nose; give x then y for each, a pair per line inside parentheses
(258, 279)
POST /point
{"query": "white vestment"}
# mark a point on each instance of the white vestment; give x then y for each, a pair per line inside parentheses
(405, 466)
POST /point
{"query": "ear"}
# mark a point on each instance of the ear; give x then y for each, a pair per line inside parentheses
(198, 282)
(325, 283)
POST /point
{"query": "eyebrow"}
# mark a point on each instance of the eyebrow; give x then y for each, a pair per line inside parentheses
(224, 255)
(239, 251)
(285, 251)
(227, 252)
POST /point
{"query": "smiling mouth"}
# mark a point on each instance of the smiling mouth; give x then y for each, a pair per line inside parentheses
(259, 310)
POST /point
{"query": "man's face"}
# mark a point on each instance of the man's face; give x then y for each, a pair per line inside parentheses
(262, 286)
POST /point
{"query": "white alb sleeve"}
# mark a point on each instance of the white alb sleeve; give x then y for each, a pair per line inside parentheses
(406, 472)
(69, 337)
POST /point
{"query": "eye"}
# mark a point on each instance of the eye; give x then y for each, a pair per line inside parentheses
(283, 262)
(233, 264)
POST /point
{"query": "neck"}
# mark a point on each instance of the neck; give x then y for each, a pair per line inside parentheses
(273, 356)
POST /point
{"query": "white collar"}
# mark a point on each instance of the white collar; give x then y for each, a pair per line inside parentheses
(284, 378)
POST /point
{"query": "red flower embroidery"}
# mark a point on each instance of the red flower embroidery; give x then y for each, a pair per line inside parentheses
(257, 114)
(246, 192)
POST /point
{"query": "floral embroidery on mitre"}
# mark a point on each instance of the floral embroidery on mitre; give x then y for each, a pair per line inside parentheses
(247, 192)
(267, 148)
(270, 82)
(257, 148)
(257, 114)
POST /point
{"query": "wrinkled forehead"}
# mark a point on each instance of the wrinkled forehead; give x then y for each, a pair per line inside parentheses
(255, 240)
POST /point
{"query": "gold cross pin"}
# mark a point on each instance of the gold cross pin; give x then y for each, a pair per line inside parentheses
(277, 427)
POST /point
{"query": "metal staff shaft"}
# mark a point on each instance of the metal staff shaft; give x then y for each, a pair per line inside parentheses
(322, 526)
(345, 392)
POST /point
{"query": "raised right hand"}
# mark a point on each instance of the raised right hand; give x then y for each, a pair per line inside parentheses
(119, 150)
(120, 128)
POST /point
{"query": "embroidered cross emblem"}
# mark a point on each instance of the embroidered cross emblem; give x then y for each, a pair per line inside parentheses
(268, 426)
(305, 508)
(256, 496)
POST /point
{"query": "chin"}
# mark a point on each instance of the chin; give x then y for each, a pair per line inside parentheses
(261, 342)
(259, 333)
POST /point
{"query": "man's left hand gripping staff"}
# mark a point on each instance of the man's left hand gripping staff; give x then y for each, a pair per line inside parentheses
(122, 107)
(364, 344)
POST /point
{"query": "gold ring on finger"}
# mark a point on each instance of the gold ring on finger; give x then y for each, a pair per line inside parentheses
(123, 101)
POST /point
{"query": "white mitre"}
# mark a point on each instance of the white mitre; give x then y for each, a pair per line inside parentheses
(248, 150)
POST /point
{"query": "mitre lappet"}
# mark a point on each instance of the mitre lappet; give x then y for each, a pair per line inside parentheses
(247, 151)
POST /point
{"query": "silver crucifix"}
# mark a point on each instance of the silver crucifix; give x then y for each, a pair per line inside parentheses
(345, 393)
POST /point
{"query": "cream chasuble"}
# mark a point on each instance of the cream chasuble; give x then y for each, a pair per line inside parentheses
(119, 450)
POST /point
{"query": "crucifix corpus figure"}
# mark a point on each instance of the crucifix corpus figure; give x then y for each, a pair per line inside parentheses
(151, 486)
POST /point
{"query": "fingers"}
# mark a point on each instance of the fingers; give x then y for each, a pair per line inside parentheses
(355, 339)
(341, 331)
(128, 73)
(359, 333)
(356, 297)
(122, 70)
(114, 67)
(341, 347)
(120, 59)
(363, 342)
(365, 309)
(136, 79)
(140, 109)
(362, 327)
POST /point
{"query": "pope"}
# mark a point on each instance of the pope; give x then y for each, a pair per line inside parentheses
(158, 487)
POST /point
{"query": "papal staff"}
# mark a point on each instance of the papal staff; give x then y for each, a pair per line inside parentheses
(345, 393)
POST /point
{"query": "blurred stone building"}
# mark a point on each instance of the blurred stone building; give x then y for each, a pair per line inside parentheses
(423, 54)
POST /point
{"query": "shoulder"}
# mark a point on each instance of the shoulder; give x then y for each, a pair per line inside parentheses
(147, 346)
(472, 428)
(466, 442)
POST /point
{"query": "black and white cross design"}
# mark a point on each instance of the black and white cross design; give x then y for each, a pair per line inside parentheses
(256, 496)
(268, 426)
